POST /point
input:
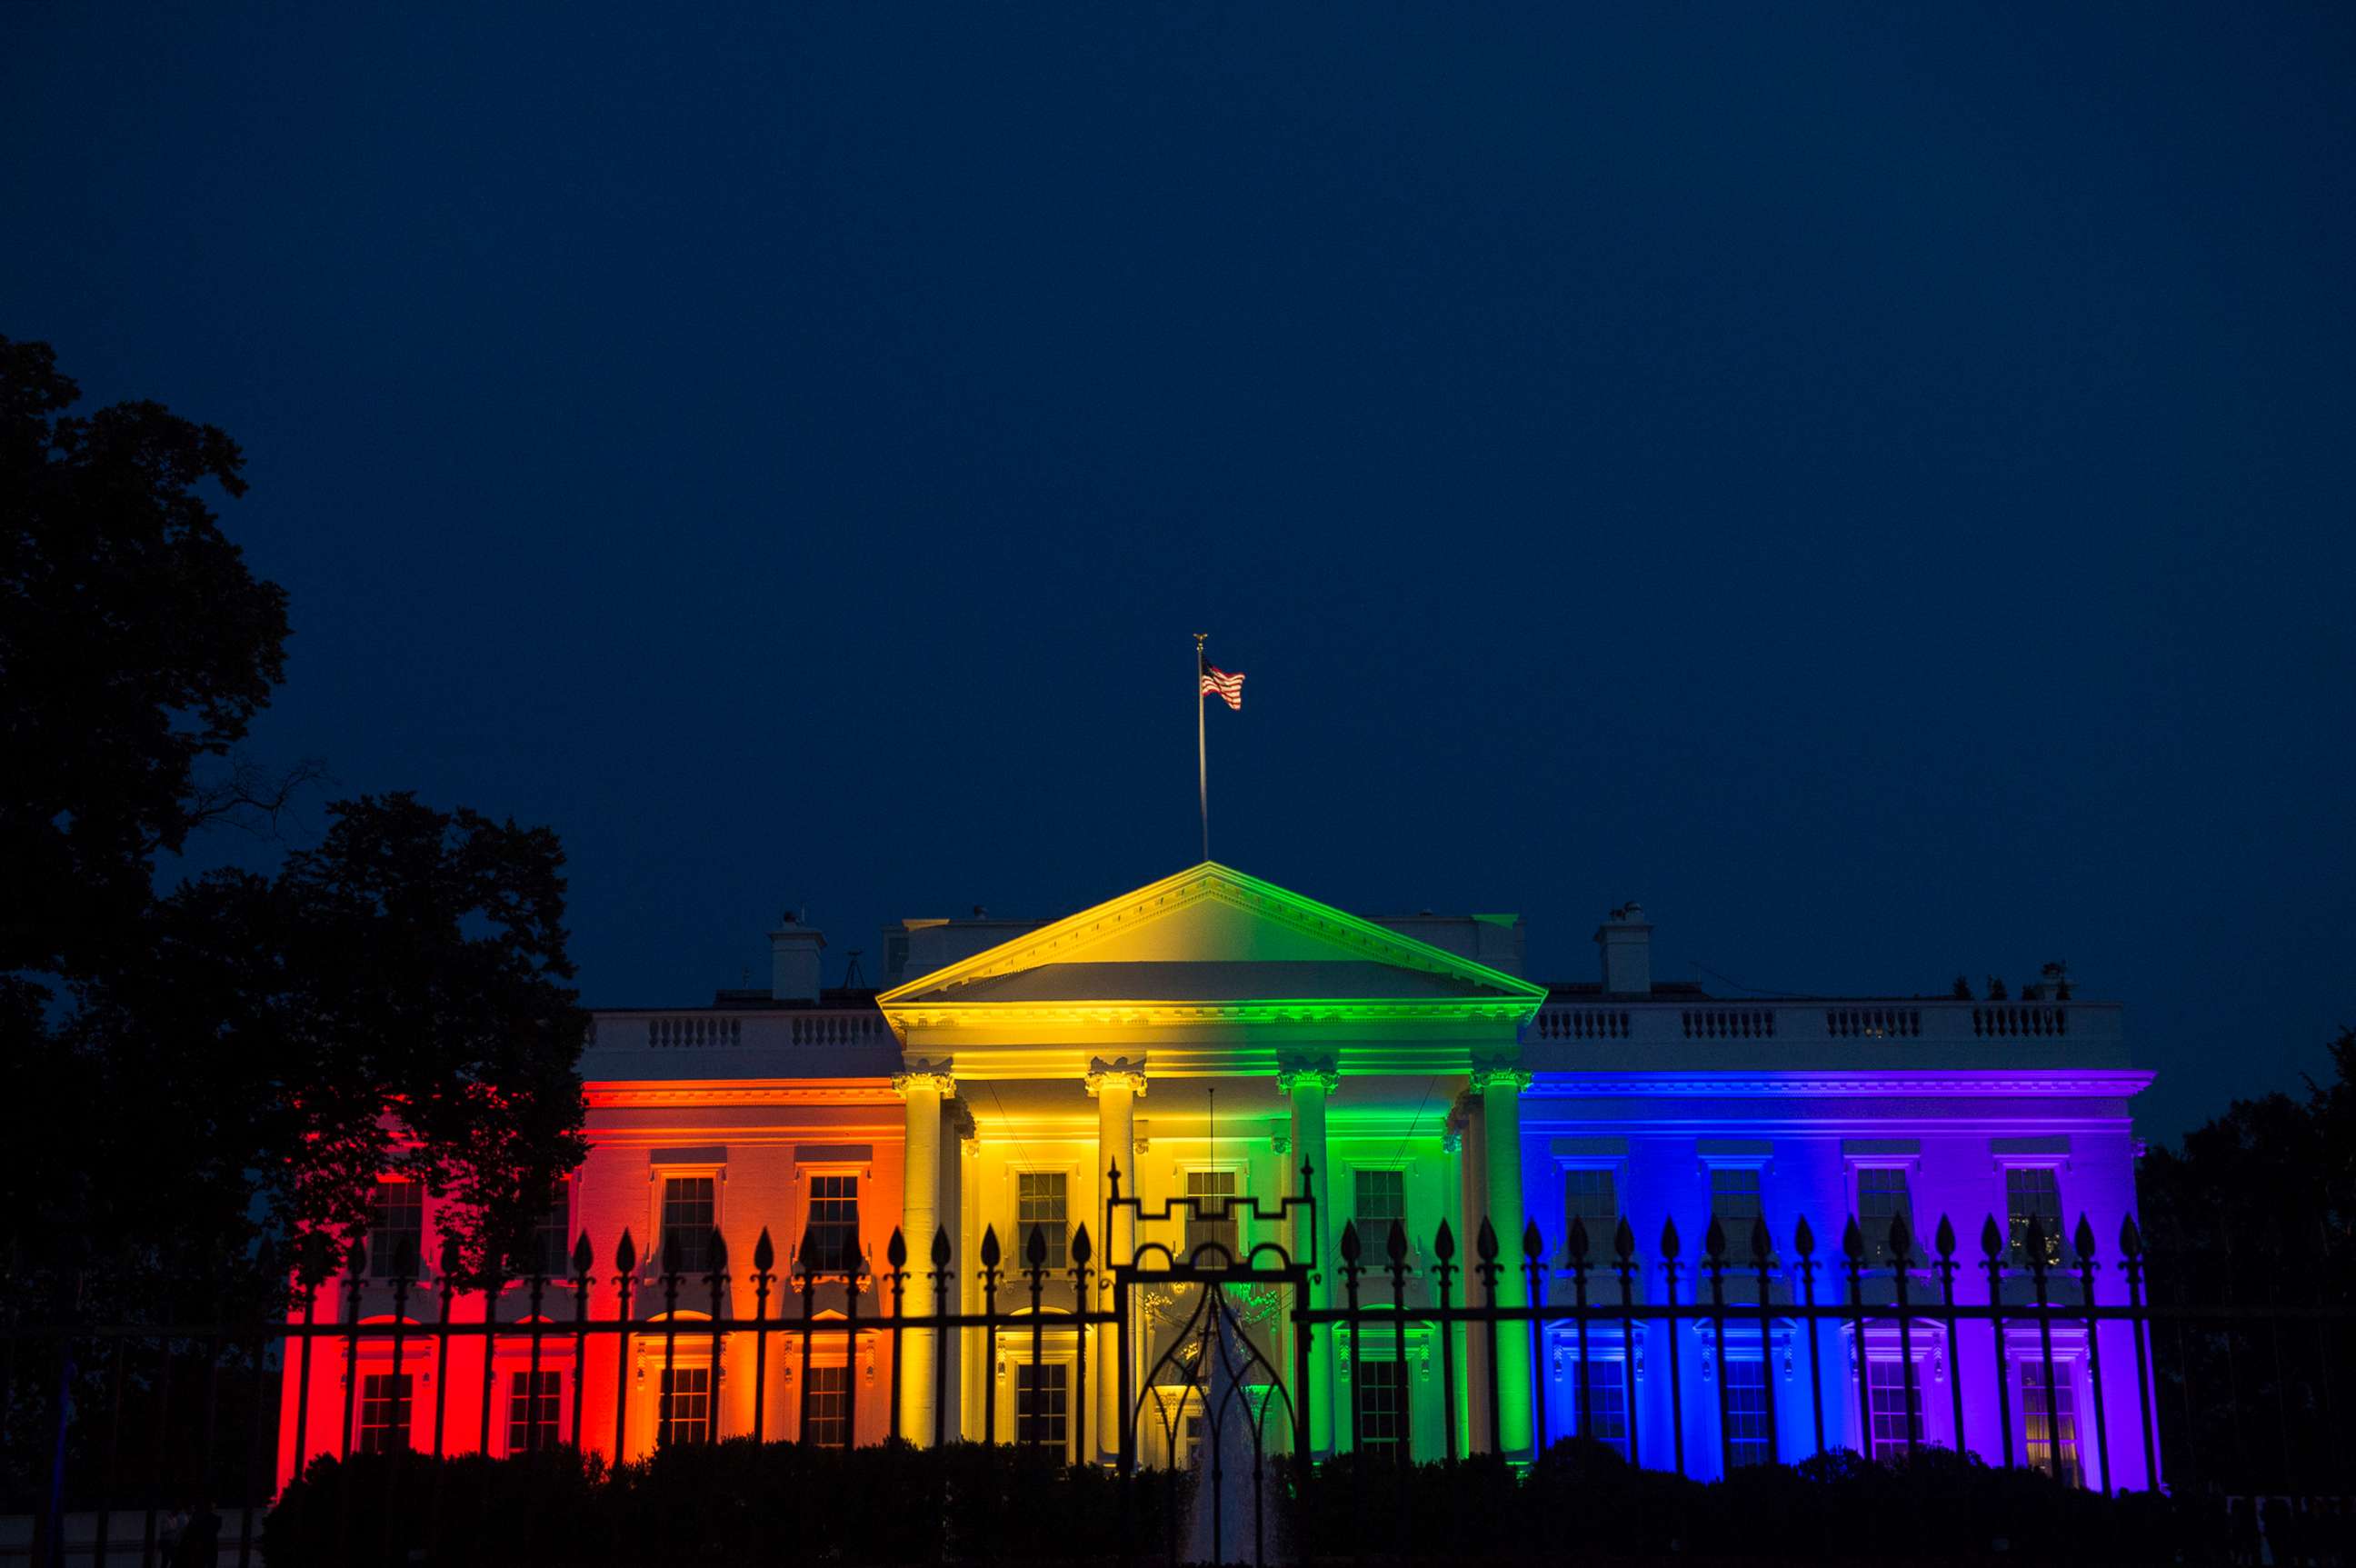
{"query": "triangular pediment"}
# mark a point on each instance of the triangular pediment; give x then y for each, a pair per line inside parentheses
(1211, 937)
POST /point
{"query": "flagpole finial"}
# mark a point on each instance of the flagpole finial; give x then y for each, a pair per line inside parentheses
(1200, 638)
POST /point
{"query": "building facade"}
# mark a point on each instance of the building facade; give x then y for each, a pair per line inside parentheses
(1213, 1036)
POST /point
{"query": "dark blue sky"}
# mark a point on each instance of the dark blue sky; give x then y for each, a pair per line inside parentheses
(1875, 488)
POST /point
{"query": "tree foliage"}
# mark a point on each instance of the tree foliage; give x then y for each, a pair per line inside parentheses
(240, 1058)
(134, 641)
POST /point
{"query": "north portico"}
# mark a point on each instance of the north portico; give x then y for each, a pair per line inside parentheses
(1211, 1034)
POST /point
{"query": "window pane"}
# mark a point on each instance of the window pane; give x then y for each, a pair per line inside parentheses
(1040, 1409)
(2051, 1430)
(1381, 1197)
(396, 1227)
(1040, 1200)
(686, 1412)
(1607, 1404)
(1747, 1432)
(1882, 1196)
(533, 1410)
(1592, 1198)
(690, 1207)
(2033, 1192)
(834, 1223)
(1382, 1405)
(1895, 1424)
(1213, 1219)
(384, 1412)
(828, 1423)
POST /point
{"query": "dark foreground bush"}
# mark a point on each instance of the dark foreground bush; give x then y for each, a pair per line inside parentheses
(742, 1503)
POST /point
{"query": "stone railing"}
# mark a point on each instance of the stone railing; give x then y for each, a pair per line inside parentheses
(757, 1028)
(1899, 1024)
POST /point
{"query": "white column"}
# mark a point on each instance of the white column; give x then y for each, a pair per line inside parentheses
(1115, 1085)
(1500, 1086)
(922, 1086)
(1307, 1083)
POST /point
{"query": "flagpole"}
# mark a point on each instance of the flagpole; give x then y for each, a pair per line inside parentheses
(1202, 754)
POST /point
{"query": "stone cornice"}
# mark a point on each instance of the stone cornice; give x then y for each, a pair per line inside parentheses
(1577, 1086)
(624, 1095)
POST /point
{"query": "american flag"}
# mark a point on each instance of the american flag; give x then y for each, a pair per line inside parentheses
(1217, 681)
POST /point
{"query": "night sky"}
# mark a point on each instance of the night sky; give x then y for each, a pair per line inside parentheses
(1874, 488)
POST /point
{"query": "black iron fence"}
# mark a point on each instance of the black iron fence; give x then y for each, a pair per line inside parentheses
(1243, 1364)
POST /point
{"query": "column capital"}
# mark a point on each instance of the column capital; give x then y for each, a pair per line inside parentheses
(1120, 1072)
(1322, 1071)
(958, 1118)
(920, 1074)
(1499, 1075)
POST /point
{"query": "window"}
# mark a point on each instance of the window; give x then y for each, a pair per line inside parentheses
(686, 1413)
(1736, 1205)
(827, 1423)
(1607, 1404)
(1592, 1198)
(1039, 1201)
(1749, 1439)
(531, 1410)
(2050, 1420)
(384, 1412)
(2033, 1192)
(552, 1247)
(1382, 1407)
(1040, 1403)
(396, 1228)
(834, 1223)
(1895, 1425)
(1213, 1217)
(690, 1208)
(1882, 1196)
(1379, 1201)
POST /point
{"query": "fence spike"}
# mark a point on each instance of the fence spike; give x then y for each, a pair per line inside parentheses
(1803, 1238)
(1761, 1243)
(670, 1249)
(2035, 1241)
(450, 1258)
(895, 1250)
(765, 1252)
(1901, 1239)
(989, 1249)
(1713, 1242)
(1443, 1245)
(1623, 1241)
(583, 1257)
(1112, 1181)
(1670, 1244)
(2130, 1237)
(1349, 1242)
(1083, 1249)
(2083, 1240)
(1533, 1243)
(719, 1251)
(1034, 1250)
(355, 1258)
(1485, 1240)
(1575, 1242)
(941, 1251)
(1852, 1239)
(626, 1255)
(1945, 1237)
(1394, 1244)
(1992, 1238)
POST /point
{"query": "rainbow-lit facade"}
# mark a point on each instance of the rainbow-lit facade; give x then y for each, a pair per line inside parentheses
(1212, 1033)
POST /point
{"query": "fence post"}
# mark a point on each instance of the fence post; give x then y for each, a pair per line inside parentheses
(2084, 1244)
(1670, 1248)
(805, 1269)
(1992, 1246)
(1902, 1253)
(1395, 1249)
(1443, 1251)
(2131, 1260)
(942, 1256)
(404, 1264)
(1623, 1241)
(1713, 1247)
(1534, 1276)
(854, 1277)
(1583, 1396)
(1853, 1250)
(1484, 1244)
(583, 1257)
(719, 1280)
(1083, 1251)
(1761, 1246)
(764, 1261)
(626, 1263)
(895, 1252)
(1944, 1238)
(990, 1277)
(2037, 1261)
(1803, 1242)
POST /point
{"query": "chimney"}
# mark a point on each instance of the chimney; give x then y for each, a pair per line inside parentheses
(1626, 938)
(794, 960)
